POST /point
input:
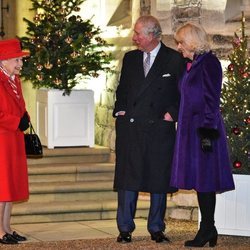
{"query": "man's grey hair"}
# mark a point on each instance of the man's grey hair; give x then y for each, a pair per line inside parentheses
(151, 25)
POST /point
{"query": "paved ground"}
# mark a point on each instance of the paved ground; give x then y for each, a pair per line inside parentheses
(100, 235)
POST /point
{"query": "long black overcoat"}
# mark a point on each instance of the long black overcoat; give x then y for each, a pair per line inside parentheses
(144, 141)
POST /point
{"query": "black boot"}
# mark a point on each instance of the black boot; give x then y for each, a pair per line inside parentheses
(207, 232)
(203, 237)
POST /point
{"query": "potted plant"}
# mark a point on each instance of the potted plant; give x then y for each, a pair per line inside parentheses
(63, 46)
(232, 208)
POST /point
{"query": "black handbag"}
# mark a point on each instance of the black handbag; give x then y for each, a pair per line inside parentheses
(33, 144)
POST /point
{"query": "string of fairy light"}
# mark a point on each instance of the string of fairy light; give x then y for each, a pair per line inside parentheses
(236, 94)
(48, 65)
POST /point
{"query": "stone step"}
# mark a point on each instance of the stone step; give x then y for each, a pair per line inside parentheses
(56, 172)
(70, 184)
(71, 191)
(70, 211)
(72, 155)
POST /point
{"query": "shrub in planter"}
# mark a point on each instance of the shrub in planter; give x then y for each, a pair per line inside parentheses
(62, 45)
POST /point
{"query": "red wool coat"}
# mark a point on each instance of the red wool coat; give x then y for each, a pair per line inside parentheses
(13, 163)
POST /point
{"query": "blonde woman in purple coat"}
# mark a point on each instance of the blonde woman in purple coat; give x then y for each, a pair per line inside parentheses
(201, 161)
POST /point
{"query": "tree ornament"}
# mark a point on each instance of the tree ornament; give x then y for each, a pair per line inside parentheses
(68, 40)
(74, 54)
(36, 18)
(94, 74)
(57, 81)
(236, 131)
(237, 164)
(247, 120)
(245, 75)
(230, 67)
(242, 70)
(48, 65)
(59, 33)
(236, 41)
(39, 67)
(39, 77)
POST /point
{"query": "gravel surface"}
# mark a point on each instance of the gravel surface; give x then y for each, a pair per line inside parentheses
(178, 231)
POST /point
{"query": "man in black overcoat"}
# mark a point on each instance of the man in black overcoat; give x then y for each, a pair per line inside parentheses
(146, 110)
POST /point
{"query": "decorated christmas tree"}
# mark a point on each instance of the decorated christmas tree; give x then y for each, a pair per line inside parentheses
(62, 45)
(235, 102)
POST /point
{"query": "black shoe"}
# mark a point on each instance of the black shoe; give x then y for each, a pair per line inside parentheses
(159, 237)
(18, 237)
(202, 238)
(8, 239)
(124, 237)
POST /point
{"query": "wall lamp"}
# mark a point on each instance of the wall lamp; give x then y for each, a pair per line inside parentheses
(2, 10)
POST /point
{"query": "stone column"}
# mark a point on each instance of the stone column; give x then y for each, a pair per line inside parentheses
(145, 7)
(22, 9)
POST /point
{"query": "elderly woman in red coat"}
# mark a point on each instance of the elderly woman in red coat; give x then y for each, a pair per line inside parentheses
(201, 160)
(13, 121)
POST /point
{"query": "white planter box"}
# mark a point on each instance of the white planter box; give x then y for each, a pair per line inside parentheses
(64, 121)
(232, 214)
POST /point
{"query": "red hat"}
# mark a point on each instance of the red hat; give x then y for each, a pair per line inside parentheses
(11, 48)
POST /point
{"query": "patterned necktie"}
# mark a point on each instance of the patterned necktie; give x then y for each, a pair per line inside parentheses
(146, 64)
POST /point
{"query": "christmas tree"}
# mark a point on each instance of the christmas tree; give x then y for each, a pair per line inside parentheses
(235, 102)
(62, 45)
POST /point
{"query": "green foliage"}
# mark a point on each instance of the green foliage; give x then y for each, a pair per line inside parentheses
(62, 45)
(235, 103)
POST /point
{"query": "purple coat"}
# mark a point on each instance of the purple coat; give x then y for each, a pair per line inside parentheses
(200, 107)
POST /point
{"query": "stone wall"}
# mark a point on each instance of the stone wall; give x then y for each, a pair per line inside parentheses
(104, 121)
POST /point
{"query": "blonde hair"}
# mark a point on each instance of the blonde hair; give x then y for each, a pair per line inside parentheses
(194, 36)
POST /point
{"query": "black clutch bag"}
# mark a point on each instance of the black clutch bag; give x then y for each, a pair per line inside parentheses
(33, 144)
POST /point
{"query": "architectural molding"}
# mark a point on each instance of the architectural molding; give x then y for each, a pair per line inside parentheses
(234, 8)
(145, 7)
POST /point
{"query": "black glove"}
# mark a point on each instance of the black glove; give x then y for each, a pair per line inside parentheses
(24, 122)
(206, 145)
(206, 136)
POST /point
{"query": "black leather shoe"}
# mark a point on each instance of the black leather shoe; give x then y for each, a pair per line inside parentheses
(159, 237)
(18, 237)
(124, 237)
(8, 239)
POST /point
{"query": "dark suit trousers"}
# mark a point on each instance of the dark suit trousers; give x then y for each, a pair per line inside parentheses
(127, 202)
